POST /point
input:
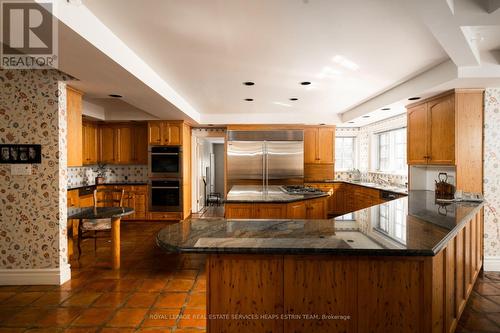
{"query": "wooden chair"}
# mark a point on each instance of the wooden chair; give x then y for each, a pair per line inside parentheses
(102, 198)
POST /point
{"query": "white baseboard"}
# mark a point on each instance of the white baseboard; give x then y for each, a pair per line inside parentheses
(491, 264)
(48, 276)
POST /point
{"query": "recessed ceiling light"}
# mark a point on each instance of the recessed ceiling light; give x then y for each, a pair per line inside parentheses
(414, 98)
(305, 83)
(350, 122)
(322, 124)
(249, 99)
(366, 116)
(385, 109)
(294, 99)
(115, 95)
(248, 83)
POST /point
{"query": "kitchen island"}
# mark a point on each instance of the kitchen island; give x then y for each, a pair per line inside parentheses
(252, 202)
(407, 265)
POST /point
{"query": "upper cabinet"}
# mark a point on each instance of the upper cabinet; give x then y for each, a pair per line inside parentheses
(319, 143)
(165, 133)
(448, 130)
(74, 126)
(89, 143)
(431, 132)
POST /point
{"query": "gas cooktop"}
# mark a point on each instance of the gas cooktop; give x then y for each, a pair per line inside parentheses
(300, 189)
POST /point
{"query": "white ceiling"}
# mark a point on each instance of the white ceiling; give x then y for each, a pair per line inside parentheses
(205, 49)
(187, 59)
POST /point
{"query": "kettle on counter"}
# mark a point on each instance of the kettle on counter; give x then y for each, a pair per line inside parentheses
(444, 190)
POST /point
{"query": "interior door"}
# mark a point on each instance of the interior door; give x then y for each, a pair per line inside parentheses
(245, 163)
(285, 162)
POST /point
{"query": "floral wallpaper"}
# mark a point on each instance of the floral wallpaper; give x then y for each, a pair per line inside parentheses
(33, 208)
(492, 172)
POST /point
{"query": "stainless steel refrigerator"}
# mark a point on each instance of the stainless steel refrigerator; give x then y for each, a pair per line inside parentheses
(265, 158)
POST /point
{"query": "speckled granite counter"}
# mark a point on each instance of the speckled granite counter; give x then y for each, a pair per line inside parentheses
(254, 194)
(413, 225)
(108, 184)
(382, 187)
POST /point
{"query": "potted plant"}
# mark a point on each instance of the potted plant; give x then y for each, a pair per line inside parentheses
(101, 173)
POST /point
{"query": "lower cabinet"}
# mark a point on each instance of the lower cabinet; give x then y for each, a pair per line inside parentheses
(306, 209)
(346, 197)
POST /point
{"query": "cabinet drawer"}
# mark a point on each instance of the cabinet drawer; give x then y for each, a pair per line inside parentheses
(164, 215)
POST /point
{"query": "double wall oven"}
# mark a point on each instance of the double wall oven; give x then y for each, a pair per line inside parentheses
(165, 179)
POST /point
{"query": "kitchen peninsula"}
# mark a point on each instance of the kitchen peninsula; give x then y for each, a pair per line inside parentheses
(407, 265)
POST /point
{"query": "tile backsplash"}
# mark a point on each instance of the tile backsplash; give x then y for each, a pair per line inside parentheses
(373, 177)
(79, 176)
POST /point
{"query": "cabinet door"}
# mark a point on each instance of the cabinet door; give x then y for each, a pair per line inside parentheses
(172, 133)
(140, 145)
(154, 132)
(107, 143)
(442, 131)
(124, 144)
(296, 210)
(74, 127)
(316, 209)
(417, 142)
(326, 144)
(90, 144)
(140, 205)
(240, 211)
(310, 145)
(271, 211)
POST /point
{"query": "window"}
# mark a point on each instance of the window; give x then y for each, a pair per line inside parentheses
(344, 153)
(392, 151)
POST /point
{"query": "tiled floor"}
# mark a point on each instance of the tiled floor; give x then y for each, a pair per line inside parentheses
(156, 292)
(152, 292)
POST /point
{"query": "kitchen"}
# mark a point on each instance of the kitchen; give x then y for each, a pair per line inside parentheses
(242, 169)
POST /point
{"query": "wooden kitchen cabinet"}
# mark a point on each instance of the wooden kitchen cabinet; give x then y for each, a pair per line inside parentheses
(297, 210)
(74, 126)
(319, 143)
(431, 132)
(140, 144)
(319, 154)
(123, 144)
(107, 144)
(305, 209)
(165, 133)
(73, 199)
(136, 197)
(90, 154)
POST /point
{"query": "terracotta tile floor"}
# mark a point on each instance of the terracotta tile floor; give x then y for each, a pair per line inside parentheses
(156, 292)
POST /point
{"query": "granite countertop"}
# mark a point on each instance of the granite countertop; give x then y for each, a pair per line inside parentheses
(377, 186)
(76, 187)
(409, 226)
(93, 213)
(255, 194)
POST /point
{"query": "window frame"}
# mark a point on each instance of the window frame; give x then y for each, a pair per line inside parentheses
(392, 159)
(340, 166)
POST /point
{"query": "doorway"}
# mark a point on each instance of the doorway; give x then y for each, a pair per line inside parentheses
(208, 165)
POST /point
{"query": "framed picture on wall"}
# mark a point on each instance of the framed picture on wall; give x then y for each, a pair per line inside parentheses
(20, 154)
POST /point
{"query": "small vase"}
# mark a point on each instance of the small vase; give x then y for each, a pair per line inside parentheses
(99, 180)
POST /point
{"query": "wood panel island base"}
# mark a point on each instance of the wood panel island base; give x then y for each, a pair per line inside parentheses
(338, 276)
